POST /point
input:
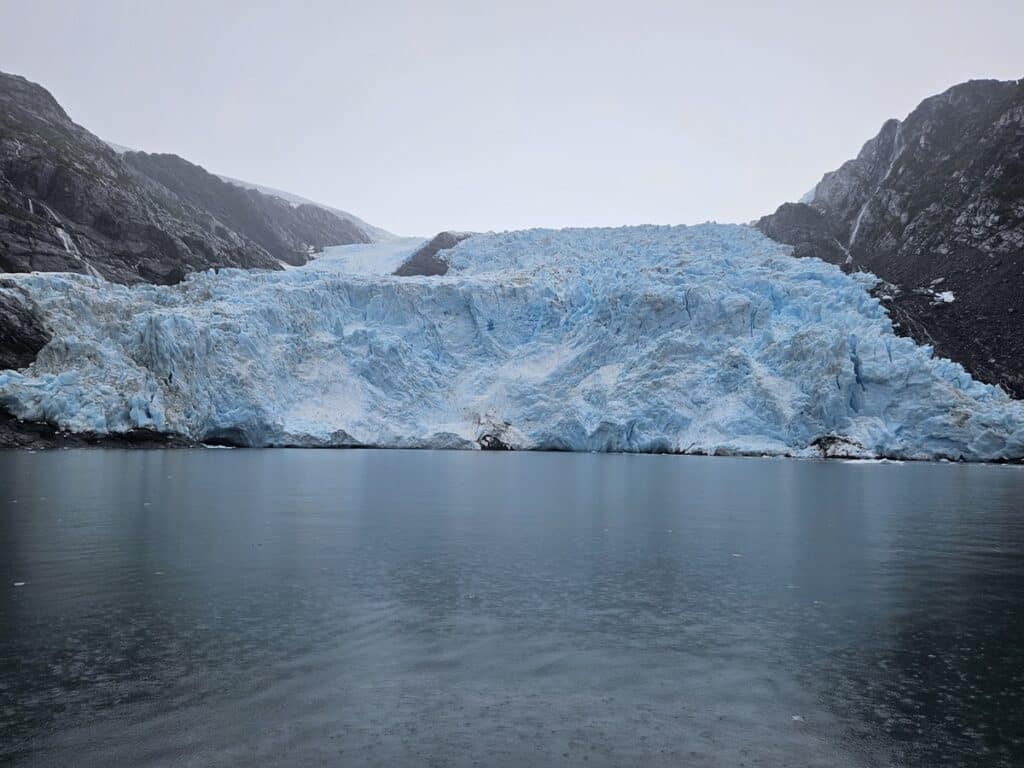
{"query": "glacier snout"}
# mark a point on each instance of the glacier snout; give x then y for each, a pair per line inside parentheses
(708, 339)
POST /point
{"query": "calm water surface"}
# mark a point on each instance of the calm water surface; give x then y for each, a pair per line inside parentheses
(430, 608)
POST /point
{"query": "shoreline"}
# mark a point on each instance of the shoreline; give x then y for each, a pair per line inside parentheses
(33, 436)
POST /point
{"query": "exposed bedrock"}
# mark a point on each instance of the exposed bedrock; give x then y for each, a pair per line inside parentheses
(934, 205)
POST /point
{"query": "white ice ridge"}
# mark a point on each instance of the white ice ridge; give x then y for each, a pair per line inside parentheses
(707, 339)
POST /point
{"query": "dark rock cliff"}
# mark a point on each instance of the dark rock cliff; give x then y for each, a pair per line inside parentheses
(287, 232)
(427, 260)
(68, 202)
(22, 333)
(934, 205)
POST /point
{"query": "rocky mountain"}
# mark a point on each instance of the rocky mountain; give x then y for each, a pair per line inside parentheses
(376, 234)
(289, 233)
(427, 260)
(22, 333)
(69, 202)
(934, 205)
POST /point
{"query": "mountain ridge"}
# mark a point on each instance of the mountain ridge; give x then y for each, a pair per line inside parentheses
(376, 233)
(69, 202)
(934, 205)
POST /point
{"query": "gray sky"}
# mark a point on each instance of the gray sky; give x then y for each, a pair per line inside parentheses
(421, 116)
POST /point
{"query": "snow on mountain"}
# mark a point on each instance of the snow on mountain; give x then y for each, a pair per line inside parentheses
(808, 197)
(707, 339)
(121, 149)
(376, 233)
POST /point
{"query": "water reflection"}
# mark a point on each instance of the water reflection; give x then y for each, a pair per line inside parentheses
(403, 607)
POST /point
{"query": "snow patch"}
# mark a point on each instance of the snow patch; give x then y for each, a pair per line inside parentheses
(374, 259)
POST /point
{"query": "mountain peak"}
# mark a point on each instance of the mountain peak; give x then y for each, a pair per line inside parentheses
(70, 202)
(935, 199)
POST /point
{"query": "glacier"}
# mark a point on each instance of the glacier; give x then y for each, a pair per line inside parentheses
(706, 339)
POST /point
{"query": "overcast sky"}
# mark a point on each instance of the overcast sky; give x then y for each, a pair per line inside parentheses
(421, 116)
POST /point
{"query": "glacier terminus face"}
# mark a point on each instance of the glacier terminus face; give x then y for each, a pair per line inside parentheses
(705, 339)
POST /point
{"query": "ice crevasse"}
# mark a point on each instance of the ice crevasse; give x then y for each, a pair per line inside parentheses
(706, 339)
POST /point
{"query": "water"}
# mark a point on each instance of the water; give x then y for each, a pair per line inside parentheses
(426, 608)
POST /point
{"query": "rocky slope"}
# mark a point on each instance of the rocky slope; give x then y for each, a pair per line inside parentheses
(68, 202)
(22, 333)
(427, 260)
(287, 232)
(376, 234)
(934, 205)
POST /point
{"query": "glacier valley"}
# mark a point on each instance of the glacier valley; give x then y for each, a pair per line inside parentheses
(706, 339)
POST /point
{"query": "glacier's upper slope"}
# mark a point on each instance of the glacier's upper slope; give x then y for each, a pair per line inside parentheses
(694, 339)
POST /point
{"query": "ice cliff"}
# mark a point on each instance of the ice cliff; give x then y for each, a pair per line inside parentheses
(707, 339)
